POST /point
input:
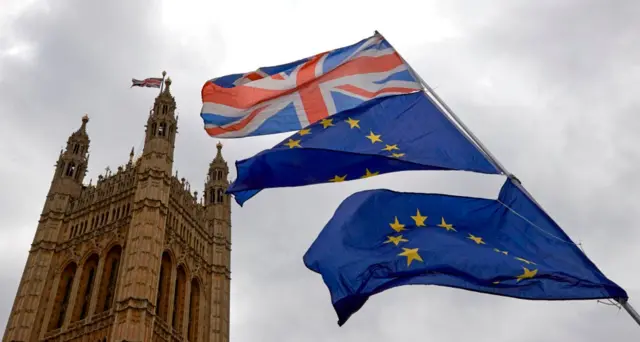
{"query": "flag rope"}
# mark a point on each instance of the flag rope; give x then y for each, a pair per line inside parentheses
(450, 114)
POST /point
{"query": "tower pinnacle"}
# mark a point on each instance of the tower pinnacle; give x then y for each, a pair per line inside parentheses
(219, 158)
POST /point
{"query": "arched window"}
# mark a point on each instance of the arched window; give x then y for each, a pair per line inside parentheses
(85, 290)
(212, 196)
(153, 129)
(71, 168)
(171, 133)
(76, 149)
(179, 299)
(162, 130)
(164, 282)
(79, 173)
(194, 311)
(61, 300)
(220, 196)
(109, 279)
(220, 175)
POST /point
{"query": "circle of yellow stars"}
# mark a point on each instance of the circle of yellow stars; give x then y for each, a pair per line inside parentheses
(413, 254)
(393, 149)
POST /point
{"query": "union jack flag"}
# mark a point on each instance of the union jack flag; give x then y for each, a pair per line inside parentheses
(152, 82)
(291, 96)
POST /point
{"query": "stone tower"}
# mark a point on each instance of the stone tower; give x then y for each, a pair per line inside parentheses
(136, 257)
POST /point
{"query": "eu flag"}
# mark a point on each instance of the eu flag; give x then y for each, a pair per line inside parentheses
(395, 133)
(380, 239)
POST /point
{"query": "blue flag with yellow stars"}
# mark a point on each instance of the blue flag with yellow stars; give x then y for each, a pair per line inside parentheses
(396, 133)
(380, 239)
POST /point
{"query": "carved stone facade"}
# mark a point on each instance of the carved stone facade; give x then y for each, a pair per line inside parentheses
(136, 257)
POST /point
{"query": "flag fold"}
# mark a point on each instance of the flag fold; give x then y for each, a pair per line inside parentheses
(380, 239)
(384, 135)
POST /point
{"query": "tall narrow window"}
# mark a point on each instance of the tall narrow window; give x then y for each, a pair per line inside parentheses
(164, 284)
(220, 196)
(61, 300)
(71, 168)
(79, 172)
(83, 298)
(109, 279)
(179, 299)
(194, 311)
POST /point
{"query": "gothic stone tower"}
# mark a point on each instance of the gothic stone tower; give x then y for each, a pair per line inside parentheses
(135, 257)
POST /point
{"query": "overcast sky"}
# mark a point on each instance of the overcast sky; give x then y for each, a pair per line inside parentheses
(550, 86)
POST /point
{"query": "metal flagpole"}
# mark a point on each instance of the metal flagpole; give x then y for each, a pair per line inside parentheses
(483, 149)
(630, 310)
(164, 73)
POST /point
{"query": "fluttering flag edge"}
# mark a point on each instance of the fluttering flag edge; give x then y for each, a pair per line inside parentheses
(356, 301)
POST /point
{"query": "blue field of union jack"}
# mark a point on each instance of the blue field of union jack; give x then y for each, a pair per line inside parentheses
(291, 96)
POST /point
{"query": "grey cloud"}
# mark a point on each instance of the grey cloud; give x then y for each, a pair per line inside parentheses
(547, 85)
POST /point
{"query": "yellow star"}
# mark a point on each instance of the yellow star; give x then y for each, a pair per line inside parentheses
(374, 138)
(411, 254)
(397, 155)
(476, 239)
(496, 282)
(326, 122)
(395, 239)
(337, 178)
(293, 143)
(525, 261)
(527, 274)
(419, 219)
(447, 226)
(390, 147)
(397, 226)
(370, 174)
(499, 251)
(304, 131)
(353, 123)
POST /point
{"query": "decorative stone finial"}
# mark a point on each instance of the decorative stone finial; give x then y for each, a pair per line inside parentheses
(83, 128)
(131, 156)
(218, 158)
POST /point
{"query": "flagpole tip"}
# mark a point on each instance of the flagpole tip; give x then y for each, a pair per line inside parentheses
(164, 73)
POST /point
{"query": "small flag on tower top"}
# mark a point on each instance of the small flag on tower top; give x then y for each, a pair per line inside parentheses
(152, 82)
